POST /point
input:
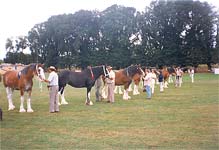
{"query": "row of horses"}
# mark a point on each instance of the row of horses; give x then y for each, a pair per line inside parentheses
(23, 81)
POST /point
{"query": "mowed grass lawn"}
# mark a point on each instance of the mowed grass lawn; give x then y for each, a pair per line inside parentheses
(179, 118)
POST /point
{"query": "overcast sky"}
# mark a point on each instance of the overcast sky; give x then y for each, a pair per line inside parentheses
(19, 16)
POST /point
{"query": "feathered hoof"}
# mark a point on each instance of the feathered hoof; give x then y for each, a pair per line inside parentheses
(89, 103)
(30, 110)
(125, 98)
(64, 103)
(11, 107)
(22, 110)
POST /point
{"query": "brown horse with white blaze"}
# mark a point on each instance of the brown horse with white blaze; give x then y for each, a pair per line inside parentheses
(23, 81)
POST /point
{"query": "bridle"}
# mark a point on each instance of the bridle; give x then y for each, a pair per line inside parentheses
(105, 71)
(37, 72)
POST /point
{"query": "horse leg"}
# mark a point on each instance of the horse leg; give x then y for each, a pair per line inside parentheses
(9, 96)
(120, 90)
(88, 101)
(22, 101)
(29, 109)
(165, 84)
(130, 88)
(61, 92)
(115, 90)
(125, 95)
(104, 91)
(135, 91)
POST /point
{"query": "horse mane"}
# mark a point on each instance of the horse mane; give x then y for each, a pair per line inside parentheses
(129, 70)
(30, 66)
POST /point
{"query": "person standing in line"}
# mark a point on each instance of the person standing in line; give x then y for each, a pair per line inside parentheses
(191, 73)
(178, 77)
(111, 85)
(160, 79)
(153, 80)
(147, 83)
(97, 86)
(53, 90)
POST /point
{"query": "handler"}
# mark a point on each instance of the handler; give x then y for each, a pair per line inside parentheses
(111, 85)
(53, 87)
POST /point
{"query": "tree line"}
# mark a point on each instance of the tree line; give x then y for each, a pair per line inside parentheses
(167, 33)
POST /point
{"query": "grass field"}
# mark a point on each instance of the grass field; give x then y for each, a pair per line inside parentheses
(179, 118)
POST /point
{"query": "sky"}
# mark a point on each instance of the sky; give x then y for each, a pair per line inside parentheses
(17, 17)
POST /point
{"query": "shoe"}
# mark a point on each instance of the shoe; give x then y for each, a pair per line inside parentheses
(108, 101)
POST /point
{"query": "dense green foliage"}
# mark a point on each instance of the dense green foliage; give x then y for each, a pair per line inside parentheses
(167, 33)
(179, 118)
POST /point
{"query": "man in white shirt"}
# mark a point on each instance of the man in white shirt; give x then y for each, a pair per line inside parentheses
(53, 86)
(111, 85)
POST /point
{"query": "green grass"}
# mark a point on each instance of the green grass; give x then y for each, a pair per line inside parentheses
(179, 118)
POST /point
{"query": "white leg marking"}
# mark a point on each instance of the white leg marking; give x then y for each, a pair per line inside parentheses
(22, 105)
(29, 109)
(63, 101)
(9, 96)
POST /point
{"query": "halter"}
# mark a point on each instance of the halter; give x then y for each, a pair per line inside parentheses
(104, 71)
(38, 75)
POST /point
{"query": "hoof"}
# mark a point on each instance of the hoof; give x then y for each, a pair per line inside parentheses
(22, 110)
(125, 98)
(64, 103)
(91, 103)
(30, 110)
(11, 108)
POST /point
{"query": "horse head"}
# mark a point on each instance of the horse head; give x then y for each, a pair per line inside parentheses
(34, 69)
(134, 69)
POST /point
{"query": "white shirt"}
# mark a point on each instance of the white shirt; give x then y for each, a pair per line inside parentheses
(53, 79)
(147, 79)
(111, 75)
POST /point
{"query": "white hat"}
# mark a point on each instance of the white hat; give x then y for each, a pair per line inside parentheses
(109, 67)
(52, 68)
